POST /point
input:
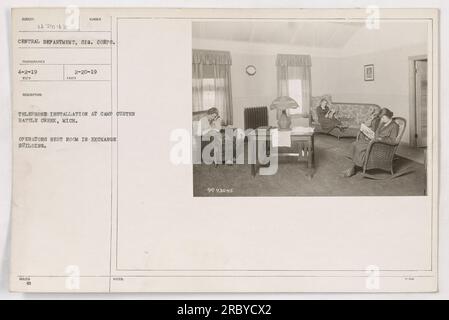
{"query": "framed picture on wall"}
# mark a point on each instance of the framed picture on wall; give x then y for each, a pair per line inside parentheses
(369, 72)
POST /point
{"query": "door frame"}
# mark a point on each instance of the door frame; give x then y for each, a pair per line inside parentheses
(412, 97)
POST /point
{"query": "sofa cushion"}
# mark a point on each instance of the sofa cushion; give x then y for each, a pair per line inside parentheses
(354, 114)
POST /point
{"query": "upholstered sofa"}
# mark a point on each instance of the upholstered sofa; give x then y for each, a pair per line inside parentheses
(351, 115)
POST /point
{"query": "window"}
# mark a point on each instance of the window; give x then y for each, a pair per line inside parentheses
(211, 82)
(212, 88)
(295, 92)
(208, 93)
(294, 80)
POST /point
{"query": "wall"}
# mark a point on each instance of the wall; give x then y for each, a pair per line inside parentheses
(391, 86)
(388, 48)
(251, 91)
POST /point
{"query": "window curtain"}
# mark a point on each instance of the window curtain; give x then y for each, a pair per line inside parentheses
(215, 66)
(292, 66)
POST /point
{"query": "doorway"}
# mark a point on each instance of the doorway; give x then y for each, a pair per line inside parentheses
(418, 101)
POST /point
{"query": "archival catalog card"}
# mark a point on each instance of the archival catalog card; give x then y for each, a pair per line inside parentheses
(219, 150)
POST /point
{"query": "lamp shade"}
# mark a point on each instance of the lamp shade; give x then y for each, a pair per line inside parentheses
(284, 103)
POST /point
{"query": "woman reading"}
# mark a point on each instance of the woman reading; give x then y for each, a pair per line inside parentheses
(327, 118)
(387, 131)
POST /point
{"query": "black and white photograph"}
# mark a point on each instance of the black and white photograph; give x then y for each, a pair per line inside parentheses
(280, 108)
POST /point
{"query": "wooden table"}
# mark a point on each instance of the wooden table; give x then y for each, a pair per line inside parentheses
(302, 147)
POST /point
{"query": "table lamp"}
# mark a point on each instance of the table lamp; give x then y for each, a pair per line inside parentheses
(282, 104)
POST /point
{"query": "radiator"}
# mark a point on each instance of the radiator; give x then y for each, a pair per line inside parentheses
(256, 117)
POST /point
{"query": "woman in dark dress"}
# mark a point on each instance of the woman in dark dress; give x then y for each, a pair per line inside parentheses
(326, 117)
(386, 131)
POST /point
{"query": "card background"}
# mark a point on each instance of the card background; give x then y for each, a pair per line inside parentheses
(5, 144)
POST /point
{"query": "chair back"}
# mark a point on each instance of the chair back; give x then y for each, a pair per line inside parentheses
(402, 123)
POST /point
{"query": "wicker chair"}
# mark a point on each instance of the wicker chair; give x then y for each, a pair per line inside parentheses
(380, 155)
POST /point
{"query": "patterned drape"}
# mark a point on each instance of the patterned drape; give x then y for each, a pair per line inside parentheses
(211, 72)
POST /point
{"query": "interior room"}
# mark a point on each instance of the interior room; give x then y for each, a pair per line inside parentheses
(277, 75)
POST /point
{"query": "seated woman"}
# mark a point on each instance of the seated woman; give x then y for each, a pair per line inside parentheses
(211, 124)
(211, 121)
(387, 131)
(326, 117)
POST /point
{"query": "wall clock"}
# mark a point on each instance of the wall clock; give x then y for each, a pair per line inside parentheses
(250, 70)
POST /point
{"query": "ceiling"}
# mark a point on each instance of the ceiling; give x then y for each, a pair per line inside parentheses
(305, 33)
